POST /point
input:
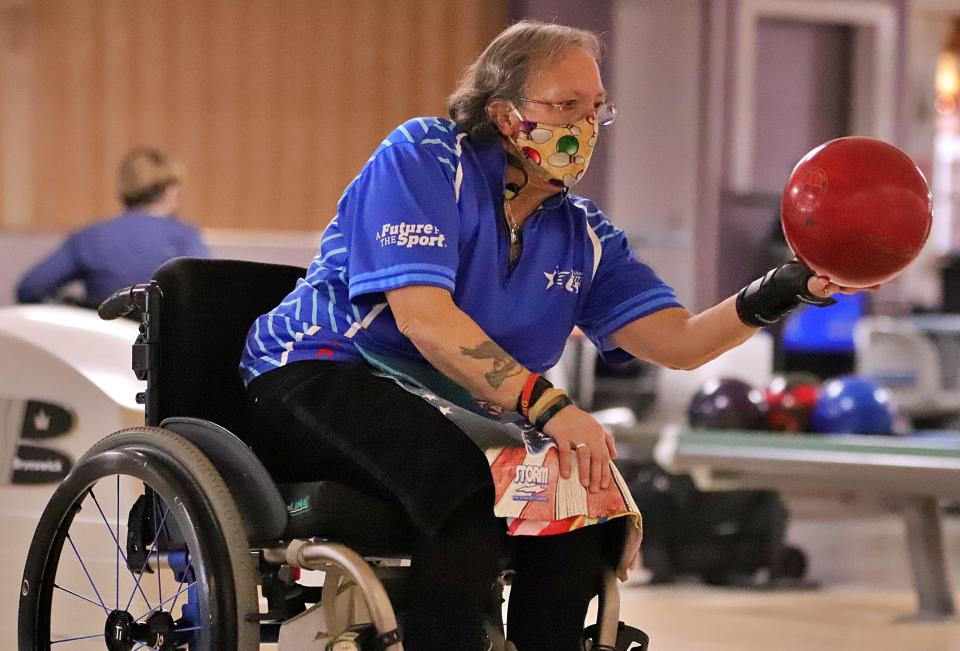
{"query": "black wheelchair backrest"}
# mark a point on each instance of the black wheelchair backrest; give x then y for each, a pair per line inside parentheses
(206, 310)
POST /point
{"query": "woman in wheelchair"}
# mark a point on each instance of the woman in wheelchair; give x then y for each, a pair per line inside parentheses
(400, 381)
(455, 268)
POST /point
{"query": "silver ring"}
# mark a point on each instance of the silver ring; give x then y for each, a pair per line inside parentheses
(579, 445)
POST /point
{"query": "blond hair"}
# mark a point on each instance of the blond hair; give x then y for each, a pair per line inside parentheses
(502, 71)
(144, 175)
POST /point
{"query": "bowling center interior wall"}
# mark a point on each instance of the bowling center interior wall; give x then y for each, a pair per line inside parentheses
(274, 109)
(272, 106)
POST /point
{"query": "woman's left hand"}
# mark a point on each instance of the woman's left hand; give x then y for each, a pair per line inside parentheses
(824, 288)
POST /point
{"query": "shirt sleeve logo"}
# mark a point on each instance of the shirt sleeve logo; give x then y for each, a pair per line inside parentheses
(407, 236)
(568, 279)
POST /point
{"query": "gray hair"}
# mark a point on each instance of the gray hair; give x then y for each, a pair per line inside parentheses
(505, 67)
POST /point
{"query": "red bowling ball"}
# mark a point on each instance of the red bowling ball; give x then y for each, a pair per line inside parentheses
(856, 210)
(790, 402)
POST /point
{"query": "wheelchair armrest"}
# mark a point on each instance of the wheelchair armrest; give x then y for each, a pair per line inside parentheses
(259, 501)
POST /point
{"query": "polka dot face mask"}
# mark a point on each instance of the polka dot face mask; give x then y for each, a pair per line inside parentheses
(560, 153)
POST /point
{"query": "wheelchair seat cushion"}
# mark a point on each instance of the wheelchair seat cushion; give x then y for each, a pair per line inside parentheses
(326, 509)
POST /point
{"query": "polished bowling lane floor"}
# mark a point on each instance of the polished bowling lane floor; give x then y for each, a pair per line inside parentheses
(698, 618)
(863, 603)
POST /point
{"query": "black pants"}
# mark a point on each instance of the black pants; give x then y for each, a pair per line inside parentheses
(338, 421)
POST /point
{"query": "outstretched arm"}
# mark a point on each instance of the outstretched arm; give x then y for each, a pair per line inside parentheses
(677, 338)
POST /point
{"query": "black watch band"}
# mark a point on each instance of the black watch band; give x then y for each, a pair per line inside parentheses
(552, 411)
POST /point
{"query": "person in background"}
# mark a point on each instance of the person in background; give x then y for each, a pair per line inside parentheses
(126, 249)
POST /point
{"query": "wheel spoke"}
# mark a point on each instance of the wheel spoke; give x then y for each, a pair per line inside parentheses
(156, 547)
(85, 571)
(116, 541)
(77, 639)
(161, 605)
(183, 577)
(179, 592)
(78, 596)
(139, 575)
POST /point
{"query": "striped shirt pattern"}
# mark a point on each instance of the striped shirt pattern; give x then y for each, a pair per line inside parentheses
(426, 209)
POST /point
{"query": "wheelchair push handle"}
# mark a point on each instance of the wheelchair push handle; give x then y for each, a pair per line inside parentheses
(124, 301)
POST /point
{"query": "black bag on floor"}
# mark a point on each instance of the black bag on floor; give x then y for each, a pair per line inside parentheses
(724, 537)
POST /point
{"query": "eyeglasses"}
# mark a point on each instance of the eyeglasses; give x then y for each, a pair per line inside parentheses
(573, 110)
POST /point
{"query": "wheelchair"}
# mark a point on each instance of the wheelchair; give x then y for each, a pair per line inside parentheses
(174, 536)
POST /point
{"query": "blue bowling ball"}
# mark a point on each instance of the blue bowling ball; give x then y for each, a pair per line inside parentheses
(853, 405)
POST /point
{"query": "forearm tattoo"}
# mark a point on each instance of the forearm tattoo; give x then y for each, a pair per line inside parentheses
(504, 366)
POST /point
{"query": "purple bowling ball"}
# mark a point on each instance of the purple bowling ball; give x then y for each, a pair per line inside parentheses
(727, 403)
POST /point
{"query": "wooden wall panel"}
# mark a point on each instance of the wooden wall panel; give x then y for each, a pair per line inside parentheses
(272, 105)
(188, 134)
(119, 115)
(16, 111)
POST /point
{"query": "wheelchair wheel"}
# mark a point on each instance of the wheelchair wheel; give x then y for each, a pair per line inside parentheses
(140, 547)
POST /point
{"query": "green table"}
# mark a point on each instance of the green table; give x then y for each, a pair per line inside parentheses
(912, 473)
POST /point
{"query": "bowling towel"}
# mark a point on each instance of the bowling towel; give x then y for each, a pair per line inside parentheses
(530, 493)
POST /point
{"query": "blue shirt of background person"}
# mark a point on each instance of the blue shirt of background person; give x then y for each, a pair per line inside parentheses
(420, 213)
(126, 249)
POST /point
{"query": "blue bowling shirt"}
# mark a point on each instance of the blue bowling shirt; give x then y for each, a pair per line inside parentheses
(427, 209)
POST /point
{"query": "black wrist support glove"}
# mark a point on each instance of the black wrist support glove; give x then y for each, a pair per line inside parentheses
(768, 299)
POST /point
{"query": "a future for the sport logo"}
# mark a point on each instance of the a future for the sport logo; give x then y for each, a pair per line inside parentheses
(410, 235)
